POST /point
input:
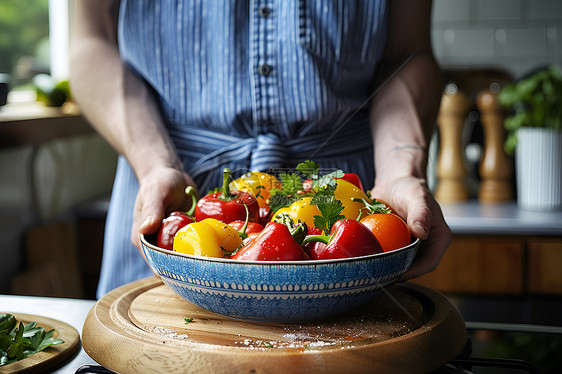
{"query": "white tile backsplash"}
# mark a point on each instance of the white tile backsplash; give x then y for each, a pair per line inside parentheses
(545, 9)
(554, 41)
(516, 35)
(524, 42)
(499, 10)
(468, 43)
(451, 10)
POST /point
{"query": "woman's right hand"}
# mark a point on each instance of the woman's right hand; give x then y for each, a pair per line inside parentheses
(162, 190)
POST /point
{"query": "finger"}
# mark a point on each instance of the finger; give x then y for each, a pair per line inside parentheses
(419, 220)
(432, 249)
(136, 218)
(419, 212)
(151, 215)
(147, 215)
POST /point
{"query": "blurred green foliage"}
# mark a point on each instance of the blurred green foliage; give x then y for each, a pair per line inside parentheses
(534, 101)
(23, 24)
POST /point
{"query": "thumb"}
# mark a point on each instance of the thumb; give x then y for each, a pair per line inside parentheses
(419, 220)
(147, 215)
(151, 217)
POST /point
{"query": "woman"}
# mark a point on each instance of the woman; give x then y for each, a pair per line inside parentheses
(183, 89)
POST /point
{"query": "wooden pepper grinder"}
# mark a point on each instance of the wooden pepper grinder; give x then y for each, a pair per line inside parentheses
(451, 170)
(496, 169)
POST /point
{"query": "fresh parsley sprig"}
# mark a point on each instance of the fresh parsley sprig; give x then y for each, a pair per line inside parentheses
(291, 186)
(322, 192)
(311, 170)
(19, 341)
(330, 209)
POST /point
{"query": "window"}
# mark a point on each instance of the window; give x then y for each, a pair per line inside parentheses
(33, 40)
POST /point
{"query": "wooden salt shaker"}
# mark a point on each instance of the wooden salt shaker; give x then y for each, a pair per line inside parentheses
(496, 169)
(451, 170)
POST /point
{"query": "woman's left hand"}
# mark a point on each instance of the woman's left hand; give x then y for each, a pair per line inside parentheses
(411, 199)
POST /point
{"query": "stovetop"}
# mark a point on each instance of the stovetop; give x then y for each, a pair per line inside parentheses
(507, 348)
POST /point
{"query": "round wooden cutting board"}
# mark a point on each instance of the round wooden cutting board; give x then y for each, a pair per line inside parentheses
(145, 327)
(54, 355)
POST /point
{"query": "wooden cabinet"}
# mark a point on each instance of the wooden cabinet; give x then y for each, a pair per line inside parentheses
(489, 264)
(544, 266)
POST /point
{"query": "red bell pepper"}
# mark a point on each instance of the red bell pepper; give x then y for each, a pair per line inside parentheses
(350, 177)
(354, 179)
(251, 228)
(274, 243)
(175, 221)
(348, 238)
(227, 206)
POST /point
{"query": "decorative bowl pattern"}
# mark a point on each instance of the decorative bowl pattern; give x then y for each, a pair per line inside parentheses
(280, 291)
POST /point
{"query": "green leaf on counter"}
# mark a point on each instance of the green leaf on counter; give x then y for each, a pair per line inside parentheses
(21, 341)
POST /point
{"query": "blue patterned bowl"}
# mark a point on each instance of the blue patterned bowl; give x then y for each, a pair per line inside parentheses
(280, 291)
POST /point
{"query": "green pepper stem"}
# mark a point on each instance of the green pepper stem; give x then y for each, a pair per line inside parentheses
(374, 207)
(226, 195)
(189, 190)
(299, 232)
(242, 232)
(317, 238)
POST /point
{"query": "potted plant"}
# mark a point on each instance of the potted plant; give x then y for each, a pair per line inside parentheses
(534, 134)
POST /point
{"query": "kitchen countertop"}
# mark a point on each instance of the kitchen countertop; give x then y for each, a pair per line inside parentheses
(473, 217)
(70, 311)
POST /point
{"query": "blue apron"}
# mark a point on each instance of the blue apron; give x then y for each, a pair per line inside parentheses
(249, 85)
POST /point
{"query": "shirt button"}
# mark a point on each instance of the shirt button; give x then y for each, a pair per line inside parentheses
(265, 70)
(264, 11)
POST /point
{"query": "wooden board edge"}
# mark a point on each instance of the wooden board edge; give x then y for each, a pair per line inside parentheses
(129, 354)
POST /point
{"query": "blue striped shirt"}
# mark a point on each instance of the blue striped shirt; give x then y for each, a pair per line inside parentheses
(251, 85)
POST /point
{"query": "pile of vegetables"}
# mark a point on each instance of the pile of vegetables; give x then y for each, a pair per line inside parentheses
(298, 216)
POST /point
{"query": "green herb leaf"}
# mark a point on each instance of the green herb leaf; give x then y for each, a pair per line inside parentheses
(534, 101)
(187, 320)
(7, 323)
(291, 185)
(16, 349)
(309, 169)
(328, 179)
(330, 209)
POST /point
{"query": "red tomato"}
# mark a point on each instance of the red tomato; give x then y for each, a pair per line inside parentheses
(391, 230)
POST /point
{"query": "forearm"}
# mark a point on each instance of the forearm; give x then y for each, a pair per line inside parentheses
(403, 118)
(117, 104)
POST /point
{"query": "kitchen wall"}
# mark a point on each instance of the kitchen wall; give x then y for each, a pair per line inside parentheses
(506, 36)
(515, 35)
(40, 185)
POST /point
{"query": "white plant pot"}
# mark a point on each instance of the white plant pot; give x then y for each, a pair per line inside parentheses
(538, 162)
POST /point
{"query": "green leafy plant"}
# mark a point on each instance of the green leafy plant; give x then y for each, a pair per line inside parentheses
(534, 101)
(19, 341)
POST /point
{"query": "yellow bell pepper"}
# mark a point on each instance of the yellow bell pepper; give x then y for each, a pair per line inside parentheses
(301, 210)
(258, 184)
(209, 237)
(345, 192)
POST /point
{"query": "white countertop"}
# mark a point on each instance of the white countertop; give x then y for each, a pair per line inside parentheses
(473, 217)
(70, 311)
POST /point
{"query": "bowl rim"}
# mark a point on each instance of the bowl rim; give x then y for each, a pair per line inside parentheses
(153, 247)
